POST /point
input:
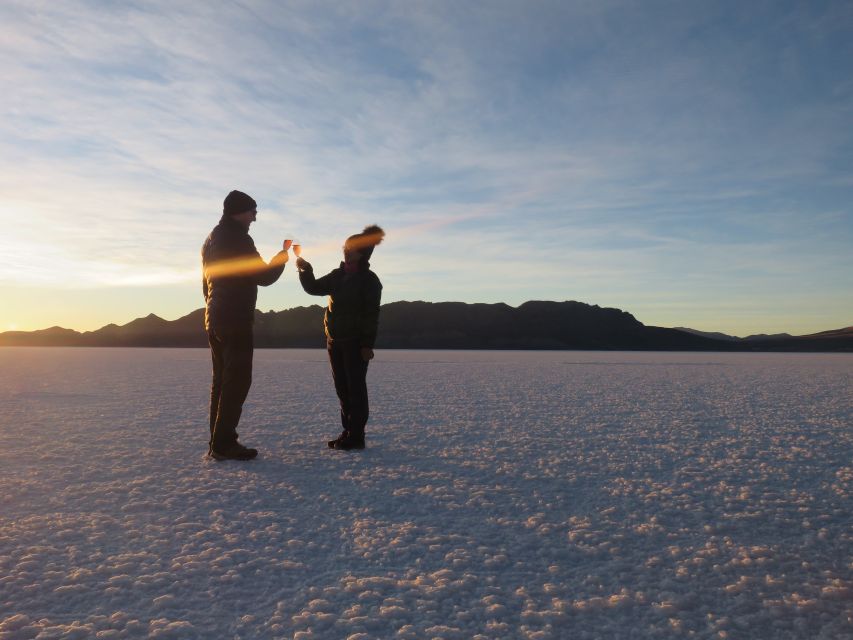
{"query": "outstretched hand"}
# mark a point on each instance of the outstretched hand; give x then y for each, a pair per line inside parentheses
(303, 265)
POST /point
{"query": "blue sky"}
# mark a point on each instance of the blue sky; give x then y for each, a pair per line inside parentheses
(688, 162)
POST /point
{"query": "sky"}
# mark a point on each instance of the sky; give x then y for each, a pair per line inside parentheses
(688, 162)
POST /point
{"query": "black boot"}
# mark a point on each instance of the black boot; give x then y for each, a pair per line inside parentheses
(234, 451)
(352, 441)
(333, 444)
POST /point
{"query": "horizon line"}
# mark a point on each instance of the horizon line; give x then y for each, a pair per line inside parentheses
(180, 317)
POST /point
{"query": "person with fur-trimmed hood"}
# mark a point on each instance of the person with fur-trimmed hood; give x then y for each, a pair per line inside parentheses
(351, 322)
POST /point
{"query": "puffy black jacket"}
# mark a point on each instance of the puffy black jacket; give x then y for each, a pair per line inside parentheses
(233, 269)
(353, 309)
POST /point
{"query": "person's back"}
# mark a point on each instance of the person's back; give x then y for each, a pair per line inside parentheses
(352, 310)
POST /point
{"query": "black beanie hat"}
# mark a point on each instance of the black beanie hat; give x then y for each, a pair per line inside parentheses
(238, 202)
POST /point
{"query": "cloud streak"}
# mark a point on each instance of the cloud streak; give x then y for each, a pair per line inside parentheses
(634, 148)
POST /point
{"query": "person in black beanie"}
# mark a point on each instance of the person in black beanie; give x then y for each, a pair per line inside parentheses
(351, 321)
(233, 269)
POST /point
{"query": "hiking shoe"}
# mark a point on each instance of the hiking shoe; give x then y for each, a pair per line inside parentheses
(350, 442)
(334, 443)
(235, 451)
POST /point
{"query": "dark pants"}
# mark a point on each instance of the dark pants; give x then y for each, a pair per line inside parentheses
(231, 352)
(349, 372)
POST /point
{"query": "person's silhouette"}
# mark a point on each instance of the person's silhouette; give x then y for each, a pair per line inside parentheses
(350, 321)
(233, 269)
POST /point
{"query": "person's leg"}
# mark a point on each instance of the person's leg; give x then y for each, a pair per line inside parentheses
(357, 402)
(236, 381)
(339, 377)
(216, 354)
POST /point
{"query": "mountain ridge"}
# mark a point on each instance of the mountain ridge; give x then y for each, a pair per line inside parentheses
(533, 325)
(724, 336)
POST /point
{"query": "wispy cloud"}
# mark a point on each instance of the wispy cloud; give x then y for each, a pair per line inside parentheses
(627, 147)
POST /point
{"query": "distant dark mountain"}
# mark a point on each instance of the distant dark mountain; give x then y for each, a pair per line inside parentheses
(834, 334)
(53, 337)
(834, 340)
(769, 336)
(150, 331)
(714, 335)
(533, 325)
(445, 325)
(722, 336)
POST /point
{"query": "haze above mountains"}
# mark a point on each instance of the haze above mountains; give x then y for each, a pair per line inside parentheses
(446, 325)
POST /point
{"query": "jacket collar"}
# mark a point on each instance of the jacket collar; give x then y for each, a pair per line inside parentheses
(363, 265)
(230, 223)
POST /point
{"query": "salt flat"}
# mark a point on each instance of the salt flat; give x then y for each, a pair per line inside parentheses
(502, 495)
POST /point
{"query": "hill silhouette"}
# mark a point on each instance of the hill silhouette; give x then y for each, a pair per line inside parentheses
(445, 325)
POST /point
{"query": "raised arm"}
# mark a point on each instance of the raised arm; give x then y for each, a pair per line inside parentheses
(244, 261)
(314, 286)
(272, 271)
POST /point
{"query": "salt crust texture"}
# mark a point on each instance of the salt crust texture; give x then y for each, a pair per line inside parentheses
(502, 495)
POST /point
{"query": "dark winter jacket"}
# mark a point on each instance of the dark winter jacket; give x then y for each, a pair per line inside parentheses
(353, 309)
(233, 269)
